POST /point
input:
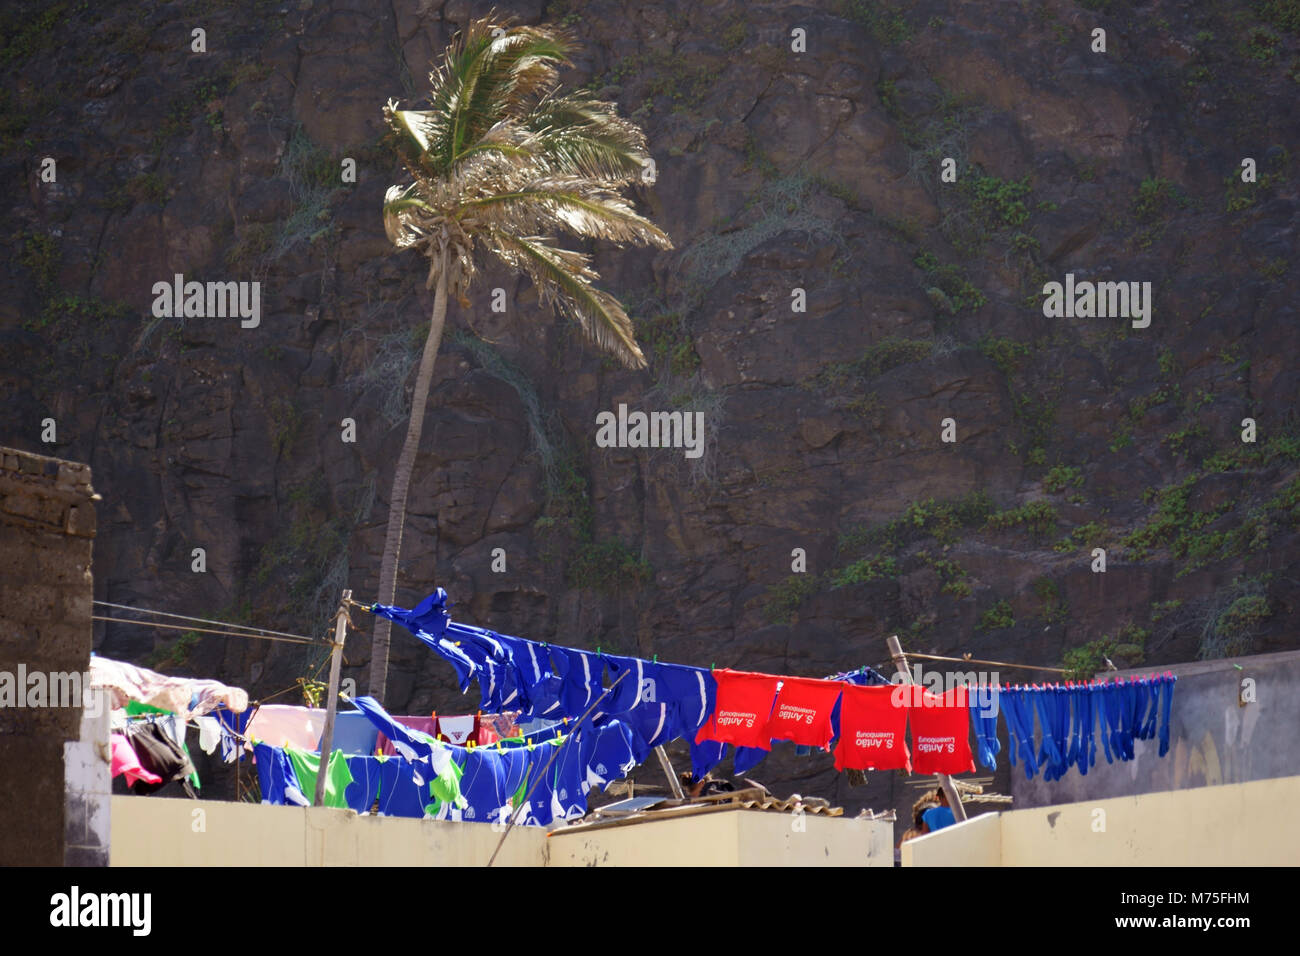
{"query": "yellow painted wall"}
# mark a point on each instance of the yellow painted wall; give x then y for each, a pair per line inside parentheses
(148, 831)
(728, 838)
(1239, 824)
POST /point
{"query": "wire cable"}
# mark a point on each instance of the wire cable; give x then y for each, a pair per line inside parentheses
(971, 660)
(202, 620)
(202, 630)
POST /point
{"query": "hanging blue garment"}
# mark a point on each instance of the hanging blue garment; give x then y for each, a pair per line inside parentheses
(569, 789)
(1151, 709)
(501, 690)
(482, 784)
(627, 693)
(539, 787)
(862, 677)
(1141, 701)
(1166, 706)
(399, 793)
(232, 728)
(1072, 751)
(691, 692)
(464, 666)
(651, 727)
(1112, 710)
(1059, 699)
(539, 685)
(278, 779)
(430, 615)
(491, 779)
(612, 754)
(1083, 753)
(1050, 755)
(582, 672)
(1018, 712)
(706, 756)
(747, 758)
(1049, 758)
(1103, 701)
(411, 744)
(1128, 697)
(984, 720)
(364, 788)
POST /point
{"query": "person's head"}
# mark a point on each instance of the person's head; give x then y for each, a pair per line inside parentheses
(941, 796)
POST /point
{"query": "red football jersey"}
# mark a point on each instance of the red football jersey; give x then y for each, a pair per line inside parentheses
(744, 704)
(941, 733)
(873, 721)
(803, 711)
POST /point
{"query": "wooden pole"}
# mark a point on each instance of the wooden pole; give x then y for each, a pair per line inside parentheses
(674, 784)
(900, 662)
(332, 701)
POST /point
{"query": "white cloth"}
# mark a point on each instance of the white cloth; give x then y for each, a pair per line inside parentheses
(127, 682)
(456, 729)
(209, 733)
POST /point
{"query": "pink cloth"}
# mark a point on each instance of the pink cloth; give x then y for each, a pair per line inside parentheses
(282, 725)
(125, 761)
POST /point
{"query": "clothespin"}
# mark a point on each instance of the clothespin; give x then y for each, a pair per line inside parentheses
(655, 660)
(713, 666)
(597, 648)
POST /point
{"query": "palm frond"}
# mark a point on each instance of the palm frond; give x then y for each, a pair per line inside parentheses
(586, 136)
(563, 279)
(406, 216)
(581, 206)
(485, 78)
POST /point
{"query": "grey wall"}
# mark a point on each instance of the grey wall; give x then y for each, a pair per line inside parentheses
(1213, 738)
(47, 528)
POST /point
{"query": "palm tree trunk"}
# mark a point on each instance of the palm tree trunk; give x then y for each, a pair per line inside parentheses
(401, 485)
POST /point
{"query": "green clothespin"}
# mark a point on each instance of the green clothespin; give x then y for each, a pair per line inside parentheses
(656, 659)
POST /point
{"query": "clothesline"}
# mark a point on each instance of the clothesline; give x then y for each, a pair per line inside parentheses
(200, 630)
(971, 660)
(718, 709)
(201, 620)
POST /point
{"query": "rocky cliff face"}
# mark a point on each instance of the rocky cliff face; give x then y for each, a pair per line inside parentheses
(788, 180)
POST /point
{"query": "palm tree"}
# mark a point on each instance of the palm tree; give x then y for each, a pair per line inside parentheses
(500, 161)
